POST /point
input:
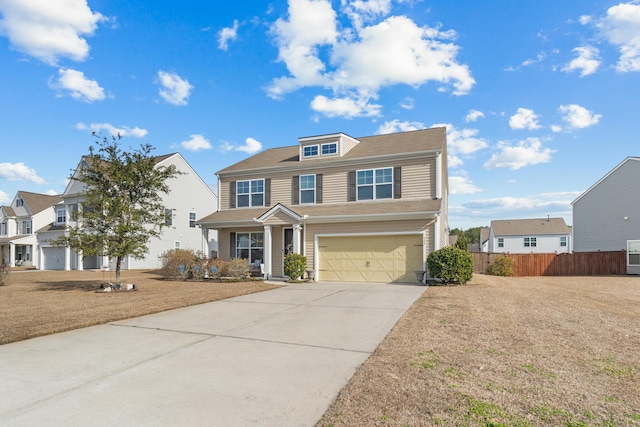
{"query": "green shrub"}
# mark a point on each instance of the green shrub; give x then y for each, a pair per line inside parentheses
(462, 242)
(450, 265)
(294, 265)
(502, 266)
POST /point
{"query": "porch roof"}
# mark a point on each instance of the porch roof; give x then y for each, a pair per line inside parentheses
(352, 211)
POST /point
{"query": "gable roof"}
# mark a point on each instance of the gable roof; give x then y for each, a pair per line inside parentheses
(8, 210)
(38, 202)
(628, 159)
(484, 234)
(418, 141)
(534, 227)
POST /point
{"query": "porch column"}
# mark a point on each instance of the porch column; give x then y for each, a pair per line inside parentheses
(79, 265)
(268, 251)
(105, 261)
(296, 238)
(12, 255)
(67, 258)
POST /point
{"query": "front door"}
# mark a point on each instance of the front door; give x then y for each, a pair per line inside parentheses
(287, 244)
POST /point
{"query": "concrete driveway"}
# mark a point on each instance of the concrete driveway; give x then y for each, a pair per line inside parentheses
(275, 358)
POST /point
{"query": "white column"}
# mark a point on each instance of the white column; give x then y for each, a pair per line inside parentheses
(296, 238)
(105, 262)
(40, 258)
(268, 252)
(436, 233)
(79, 265)
(67, 258)
(12, 255)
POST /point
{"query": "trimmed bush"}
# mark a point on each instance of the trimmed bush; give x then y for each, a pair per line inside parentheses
(462, 242)
(294, 265)
(450, 265)
(502, 266)
(183, 264)
(239, 267)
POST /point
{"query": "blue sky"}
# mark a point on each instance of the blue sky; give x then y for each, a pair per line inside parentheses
(540, 98)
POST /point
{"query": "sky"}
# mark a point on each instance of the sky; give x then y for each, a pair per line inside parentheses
(540, 97)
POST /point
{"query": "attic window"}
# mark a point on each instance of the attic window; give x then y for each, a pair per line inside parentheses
(310, 151)
(330, 148)
(19, 202)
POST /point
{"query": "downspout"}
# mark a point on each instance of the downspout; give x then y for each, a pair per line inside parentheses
(436, 234)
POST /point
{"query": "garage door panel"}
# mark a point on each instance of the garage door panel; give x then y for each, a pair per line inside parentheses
(370, 258)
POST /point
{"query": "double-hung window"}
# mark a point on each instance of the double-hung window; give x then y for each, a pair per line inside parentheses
(3, 228)
(307, 189)
(563, 241)
(501, 242)
(373, 184)
(250, 246)
(62, 216)
(24, 227)
(633, 252)
(168, 217)
(530, 242)
(250, 193)
(310, 151)
(192, 219)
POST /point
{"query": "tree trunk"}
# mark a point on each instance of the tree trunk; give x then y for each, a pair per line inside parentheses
(118, 265)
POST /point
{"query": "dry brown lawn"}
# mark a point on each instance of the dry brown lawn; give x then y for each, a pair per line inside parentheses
(536, 351)
(35, 303)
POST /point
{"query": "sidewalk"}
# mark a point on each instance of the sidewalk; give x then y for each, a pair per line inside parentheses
(275, 358)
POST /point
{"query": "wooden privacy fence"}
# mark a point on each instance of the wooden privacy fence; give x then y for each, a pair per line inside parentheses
(552, 264)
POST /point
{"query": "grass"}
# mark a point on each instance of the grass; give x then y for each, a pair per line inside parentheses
(521, 352)
(36, 303)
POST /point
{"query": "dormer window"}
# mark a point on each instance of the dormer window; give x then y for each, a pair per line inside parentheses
(328, 149)
(310, 151)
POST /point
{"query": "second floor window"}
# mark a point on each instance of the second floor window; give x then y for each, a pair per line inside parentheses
(375, 184)
(192, 219)
(168, 217)
(24, 227)
(501, 242)
(62, 216)
(563, 241)
(3, 229)
(250, 193)
(307, 188)
(530, 242)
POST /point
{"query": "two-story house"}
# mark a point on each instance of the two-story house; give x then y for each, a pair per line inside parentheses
(18, 222)
(606, 217)
(359, 209)
(189, 197)
(545, 235)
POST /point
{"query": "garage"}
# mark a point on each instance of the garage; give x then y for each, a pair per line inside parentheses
(388, 258)
(53, 258)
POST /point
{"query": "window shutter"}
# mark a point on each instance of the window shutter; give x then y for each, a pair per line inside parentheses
(267, 191)
(397, 182)
(232, 245)
(319, 188)
(352, 186)
(295, 190)
(232, 194)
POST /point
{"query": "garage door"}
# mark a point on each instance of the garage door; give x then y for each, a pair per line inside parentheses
(369, 258)
(53, 258)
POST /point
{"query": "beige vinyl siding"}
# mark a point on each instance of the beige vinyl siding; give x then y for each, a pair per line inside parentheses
(364, 228)
(279, 218)
(416, 178)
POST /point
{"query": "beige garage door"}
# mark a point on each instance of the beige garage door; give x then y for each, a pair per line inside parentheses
(369, 258)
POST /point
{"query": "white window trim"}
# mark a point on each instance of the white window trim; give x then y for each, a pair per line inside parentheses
(249, 248)
(250, 193)
(192, 221)
(63, 216)
(532, 243)
(306, 156)
(564, 241)
(307, 189)
(635, 243)
(374, 184)
(501, 242)
(327, 144)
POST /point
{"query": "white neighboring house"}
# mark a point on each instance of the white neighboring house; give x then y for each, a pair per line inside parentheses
(189, 198)
(515, 236)
(606, 217)
(18, 222)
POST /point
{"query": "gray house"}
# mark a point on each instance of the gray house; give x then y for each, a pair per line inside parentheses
(606, 217)
(540, 235)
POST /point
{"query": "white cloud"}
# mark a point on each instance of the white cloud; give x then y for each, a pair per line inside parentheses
(19, 172)
(251, 146)
(578, 117)
(462, 185)
(227, 34)
(399, 126)
(462, 141)
(539, 58)
(408, 103)
(473, 116)
(524, 119)
(524, 153)
(621, 27)
(110, 129)
(347, 62)
(587, 61)
(79, 87)
(345, 107)
(4, 198)
(196, 143)
(174, 89)
(49, 30)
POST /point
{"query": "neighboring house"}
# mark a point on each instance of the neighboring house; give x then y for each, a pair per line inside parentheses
(545, 235)
(188, 199)
(606, 217)
(484, 239)
(359, 209)
(18, 222)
